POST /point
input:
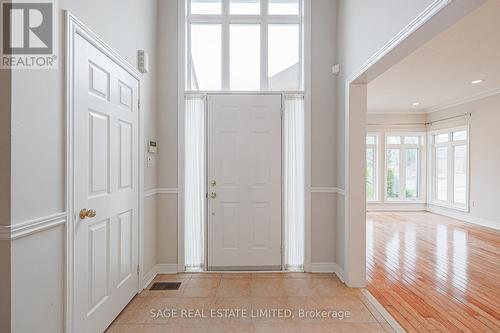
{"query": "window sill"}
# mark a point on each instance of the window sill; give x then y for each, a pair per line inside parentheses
(448, 206)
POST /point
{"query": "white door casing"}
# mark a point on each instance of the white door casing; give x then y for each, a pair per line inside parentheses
(244, 161)
(106, 179)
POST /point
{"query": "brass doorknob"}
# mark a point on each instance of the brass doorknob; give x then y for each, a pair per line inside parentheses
(90, 213)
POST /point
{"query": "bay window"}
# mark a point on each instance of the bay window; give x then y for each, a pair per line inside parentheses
(403, 165)
(450, 168)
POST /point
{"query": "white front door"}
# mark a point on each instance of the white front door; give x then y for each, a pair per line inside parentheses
(106, 118)
(244, 182)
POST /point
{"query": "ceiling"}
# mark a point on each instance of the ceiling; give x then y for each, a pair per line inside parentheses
(440, 73)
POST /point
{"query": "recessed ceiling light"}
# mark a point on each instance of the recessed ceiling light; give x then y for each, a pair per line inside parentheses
(416, 103)
(477, 81)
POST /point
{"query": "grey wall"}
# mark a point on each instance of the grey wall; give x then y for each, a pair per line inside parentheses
(167, 130)
(324, 122)
(38, 154)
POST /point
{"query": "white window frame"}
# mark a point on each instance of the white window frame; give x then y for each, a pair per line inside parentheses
(450, 202)
(225, 19)
(376, 172)
(402, 168)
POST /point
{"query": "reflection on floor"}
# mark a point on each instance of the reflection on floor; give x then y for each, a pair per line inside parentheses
(434, 274)
(203, 293)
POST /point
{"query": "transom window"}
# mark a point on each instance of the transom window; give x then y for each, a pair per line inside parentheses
(403, 167)
(450, 168)
(244, 45)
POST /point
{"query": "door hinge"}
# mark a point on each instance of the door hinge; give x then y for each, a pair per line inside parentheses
(281, 114)
(138, 269)
(138, 103)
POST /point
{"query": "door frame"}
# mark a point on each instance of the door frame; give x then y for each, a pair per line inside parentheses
(74, 26)
(206, 97)
(181, 91)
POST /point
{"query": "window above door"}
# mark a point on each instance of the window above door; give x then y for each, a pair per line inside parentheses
(244, 45)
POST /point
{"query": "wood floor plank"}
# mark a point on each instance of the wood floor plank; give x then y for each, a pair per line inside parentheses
(433, 273)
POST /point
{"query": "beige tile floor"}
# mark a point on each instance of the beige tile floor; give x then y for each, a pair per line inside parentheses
(203, 293)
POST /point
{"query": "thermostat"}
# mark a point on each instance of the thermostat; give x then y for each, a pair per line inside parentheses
(152, 147)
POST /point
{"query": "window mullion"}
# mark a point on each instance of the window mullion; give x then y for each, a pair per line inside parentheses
(451, 174)
(402, 173)
(264, 44)
(225, 45)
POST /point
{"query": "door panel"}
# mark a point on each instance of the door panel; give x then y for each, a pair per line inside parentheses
(244, 160)
(106, 119)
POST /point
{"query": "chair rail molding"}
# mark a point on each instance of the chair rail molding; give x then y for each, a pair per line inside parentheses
(29, 227)
(335, 190)
(161, 190)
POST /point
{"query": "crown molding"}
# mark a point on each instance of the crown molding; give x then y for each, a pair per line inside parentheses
(465, 100)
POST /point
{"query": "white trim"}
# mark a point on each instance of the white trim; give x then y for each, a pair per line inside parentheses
(181, 73)
(444, 106)
(181, 89)
(75, 26)
(26, 228)
(463, 216)
(161, 190)
(395, 207)
(466, 100)
(166, 268)
(354, 265)
(307, 82)
(406, 32)
(395, 113)
(148, 277)
(382, 311)
(323, 267)
(157, 269)
(335, 190)
(328, 267)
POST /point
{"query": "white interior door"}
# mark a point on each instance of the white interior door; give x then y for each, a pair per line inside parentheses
(106, 119)
(244, 182)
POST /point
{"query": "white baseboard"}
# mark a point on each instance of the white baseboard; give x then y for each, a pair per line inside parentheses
(148, 277)
(323, 267)
(328, 267)
(395, 207)
(166, 269)
(462, 216)
(158, 269)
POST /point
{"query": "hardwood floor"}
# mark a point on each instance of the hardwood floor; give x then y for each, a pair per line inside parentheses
(434, 274)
